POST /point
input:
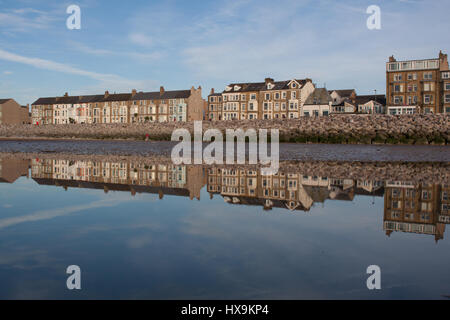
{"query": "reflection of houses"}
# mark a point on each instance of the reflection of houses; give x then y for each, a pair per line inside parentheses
(416, 208)
(284, 190)
(12, 169)
(120, 176)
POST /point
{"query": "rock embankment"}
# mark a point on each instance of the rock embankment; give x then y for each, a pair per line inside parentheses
(335, 129)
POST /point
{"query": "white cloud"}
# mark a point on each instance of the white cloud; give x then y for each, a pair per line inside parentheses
(110, 81)
(7, 72)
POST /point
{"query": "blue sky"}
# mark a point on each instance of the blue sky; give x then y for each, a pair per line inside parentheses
(144, 44)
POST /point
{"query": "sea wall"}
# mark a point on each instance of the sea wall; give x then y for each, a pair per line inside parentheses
(335, 129)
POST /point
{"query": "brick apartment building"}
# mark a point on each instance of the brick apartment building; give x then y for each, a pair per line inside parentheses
(418, 85)
(134, 107)
(261, 100)
(13, 113)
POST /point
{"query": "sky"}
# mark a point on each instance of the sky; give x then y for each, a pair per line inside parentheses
(125, 45)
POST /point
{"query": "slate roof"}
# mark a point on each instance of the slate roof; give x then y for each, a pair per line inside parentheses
(261, 86)
(343, 93)
(319, 96)
(380, 98)
(177, 94)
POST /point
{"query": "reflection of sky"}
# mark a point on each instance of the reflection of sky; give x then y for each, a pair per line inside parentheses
(176, 248)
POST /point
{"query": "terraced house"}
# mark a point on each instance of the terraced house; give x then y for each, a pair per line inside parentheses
(134, 107)
(417, 85)
(261, 100)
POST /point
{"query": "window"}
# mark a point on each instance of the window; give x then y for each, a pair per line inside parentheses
(277, 95)
(446, 75)
(253, 96)
(428, 98)
(243, 97)
(412, 76)
(428, 86)
(397, 77)
(398, 88)
(251, 106)
(398, 100)
(428, 76)
(306, 113)
(267, 96)
(447, 86)
(294, 95)
(447, 98)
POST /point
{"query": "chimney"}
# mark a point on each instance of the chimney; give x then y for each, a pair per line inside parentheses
(443, 61)
(161, 90)
(269, 80)
(392, 59)
(66, 94)
(106, 94)
(192, 90)
(133, 92)
(212, 91)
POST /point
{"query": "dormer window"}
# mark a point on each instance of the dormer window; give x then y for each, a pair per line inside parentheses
(228, 88)
(270, 86)
(294, 85)
(237, 88)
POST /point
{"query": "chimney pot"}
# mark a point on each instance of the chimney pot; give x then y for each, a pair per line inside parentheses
(161, 90)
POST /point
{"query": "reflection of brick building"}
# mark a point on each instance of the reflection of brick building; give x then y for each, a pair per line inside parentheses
(291, 191)
(12, 169)
(120, 176)
(421, 208)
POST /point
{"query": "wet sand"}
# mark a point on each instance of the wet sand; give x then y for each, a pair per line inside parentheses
(297, 152)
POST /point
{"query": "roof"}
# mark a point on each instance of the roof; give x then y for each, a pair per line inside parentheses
(344, 93)
(2, 101)
(319, 96)
(178, 94)
(261, 86)
(380, 98)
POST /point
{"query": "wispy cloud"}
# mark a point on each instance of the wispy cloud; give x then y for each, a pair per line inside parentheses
(106, 80)
(143, 57)
(26, 19)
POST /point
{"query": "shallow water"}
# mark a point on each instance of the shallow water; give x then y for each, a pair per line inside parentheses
(146, 230)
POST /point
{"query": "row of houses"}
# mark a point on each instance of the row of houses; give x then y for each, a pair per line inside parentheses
(133, 107)
(412, 86)
(288, 99)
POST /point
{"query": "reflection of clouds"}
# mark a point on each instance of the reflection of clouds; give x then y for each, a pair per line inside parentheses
(50, 214)
(7, 206)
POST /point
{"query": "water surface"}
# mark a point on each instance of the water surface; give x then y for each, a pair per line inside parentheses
(147, 230)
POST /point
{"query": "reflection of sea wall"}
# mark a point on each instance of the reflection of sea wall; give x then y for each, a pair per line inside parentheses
(419, 172)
